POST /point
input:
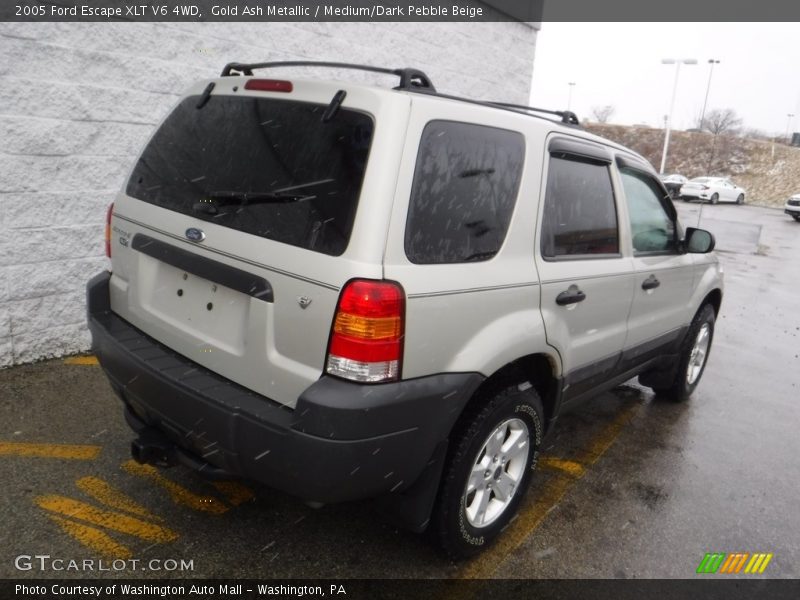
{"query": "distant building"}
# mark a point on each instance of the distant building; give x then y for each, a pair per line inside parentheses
(795, 139)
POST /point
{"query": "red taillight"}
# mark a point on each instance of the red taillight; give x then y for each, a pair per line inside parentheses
(367, 335)
(268, 85)
(108, 229)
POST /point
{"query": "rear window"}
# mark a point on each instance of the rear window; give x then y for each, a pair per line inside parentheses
(266, 167)
(464, 191)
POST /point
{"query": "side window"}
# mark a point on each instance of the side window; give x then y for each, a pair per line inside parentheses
(580, 217)
(464, 191)
(651, 228)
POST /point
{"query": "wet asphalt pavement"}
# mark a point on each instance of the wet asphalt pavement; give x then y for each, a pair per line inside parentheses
(629, 486)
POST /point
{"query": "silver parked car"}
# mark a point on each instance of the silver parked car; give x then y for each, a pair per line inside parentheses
(713, 190)
(347, 291)
(673, 183)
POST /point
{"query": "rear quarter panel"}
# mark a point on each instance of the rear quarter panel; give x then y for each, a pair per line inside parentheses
(477, 316)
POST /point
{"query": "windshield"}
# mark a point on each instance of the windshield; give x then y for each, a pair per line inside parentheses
(266, 167)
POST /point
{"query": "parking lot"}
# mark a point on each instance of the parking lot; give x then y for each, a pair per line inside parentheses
(628, 486)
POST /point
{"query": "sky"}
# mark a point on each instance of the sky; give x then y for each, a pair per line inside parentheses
(619, 64)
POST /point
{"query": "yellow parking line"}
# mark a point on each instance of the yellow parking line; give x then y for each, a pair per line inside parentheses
(103, 492)
(94, 539)
(234, 492)
(178, 493)
(88, 361)
(532, 516)
(559, 464)
(69, 451)
(67, 507)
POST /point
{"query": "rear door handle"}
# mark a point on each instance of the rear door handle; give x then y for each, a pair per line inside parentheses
(570, 296)
(650, 283)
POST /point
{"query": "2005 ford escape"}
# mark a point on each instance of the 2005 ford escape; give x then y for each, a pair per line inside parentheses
(345, 291)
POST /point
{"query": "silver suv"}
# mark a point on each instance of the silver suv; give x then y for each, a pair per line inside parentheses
(345, 291)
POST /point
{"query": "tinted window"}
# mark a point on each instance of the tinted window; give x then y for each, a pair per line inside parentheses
(465, 186)
(266, 167)
(579, 213)
(651, 228)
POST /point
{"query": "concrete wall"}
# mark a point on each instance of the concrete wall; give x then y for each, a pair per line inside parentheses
(77, 101)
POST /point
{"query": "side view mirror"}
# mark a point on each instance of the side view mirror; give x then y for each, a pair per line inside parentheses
(699, 241)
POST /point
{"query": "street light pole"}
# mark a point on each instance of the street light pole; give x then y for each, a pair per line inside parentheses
(677, 63)
(571, 85)
(712, 62)
(788, 125)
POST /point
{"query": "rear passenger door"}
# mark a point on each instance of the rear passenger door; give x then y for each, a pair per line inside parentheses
(586, 281)
(730, 190)
(663, 276)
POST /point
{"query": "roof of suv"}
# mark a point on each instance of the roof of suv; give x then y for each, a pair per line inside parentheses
(415, 81)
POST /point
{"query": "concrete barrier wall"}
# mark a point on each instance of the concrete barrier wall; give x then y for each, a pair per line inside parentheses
(77, 101)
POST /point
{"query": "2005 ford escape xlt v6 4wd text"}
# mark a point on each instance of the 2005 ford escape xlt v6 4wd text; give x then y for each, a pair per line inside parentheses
(345, 291)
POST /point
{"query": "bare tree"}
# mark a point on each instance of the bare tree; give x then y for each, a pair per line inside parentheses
(603, 113)
(721, 121)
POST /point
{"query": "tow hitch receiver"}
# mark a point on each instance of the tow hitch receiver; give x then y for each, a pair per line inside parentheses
(150, 448)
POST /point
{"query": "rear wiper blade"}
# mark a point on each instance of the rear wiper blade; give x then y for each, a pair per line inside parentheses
(258, 197)
(213, 201)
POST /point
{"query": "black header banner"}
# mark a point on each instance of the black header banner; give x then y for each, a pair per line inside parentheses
(531, 11)
(271, 10)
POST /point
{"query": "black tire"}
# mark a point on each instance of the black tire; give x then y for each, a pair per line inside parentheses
(796, 218)
(740, 199)
(714, 198)
(683, 384)
(452, 524)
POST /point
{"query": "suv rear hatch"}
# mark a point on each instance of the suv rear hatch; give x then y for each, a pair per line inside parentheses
(237, 227)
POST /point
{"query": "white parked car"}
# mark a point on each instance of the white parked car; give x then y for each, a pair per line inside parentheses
(712, 189)
(792, 207)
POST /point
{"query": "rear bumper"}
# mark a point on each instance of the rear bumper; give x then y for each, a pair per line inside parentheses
(343, 441)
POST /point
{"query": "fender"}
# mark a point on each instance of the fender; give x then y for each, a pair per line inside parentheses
(707, 278)
(503, 341)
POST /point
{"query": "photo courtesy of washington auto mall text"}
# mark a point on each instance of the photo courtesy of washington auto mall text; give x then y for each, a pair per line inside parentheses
(398, 299)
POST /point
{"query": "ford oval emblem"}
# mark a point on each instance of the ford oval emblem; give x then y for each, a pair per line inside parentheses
(195, 234)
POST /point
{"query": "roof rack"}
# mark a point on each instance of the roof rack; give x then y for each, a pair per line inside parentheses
(567, 116)
(410, 79)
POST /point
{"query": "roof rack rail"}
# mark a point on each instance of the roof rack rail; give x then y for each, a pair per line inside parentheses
(410, 79)
(567, 116)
